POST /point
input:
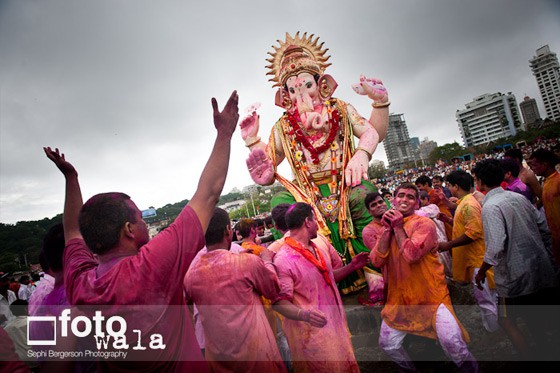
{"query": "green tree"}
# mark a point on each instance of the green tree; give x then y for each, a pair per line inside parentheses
(446, 152)
(377, 171)
(239, 213)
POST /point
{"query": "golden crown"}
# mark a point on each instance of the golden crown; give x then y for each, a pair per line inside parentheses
(296, 55)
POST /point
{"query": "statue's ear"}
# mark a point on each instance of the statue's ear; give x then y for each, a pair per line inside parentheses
(283, 99)
(327, 85)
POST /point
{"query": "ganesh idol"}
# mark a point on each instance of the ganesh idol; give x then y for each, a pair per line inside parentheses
(316, 135)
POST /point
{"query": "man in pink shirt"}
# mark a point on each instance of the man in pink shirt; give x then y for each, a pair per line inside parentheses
(225, 288)
(137, 279)
(514, 183)
(315, 322)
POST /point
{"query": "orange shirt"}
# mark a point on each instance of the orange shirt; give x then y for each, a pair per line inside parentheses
(414, 280)
(551, 203)
(468, 221)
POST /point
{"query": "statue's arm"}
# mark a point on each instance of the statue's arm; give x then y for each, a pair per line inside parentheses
(357, 167)
(367, 134)
(377, 92)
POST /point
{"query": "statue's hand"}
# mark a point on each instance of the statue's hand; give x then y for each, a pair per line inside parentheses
(356, 169)
(249, 126)
(260, 167)
(373, 88)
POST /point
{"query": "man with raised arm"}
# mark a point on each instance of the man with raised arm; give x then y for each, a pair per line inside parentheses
(138, 280)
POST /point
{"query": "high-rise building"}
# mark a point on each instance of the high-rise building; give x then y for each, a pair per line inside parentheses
(414, 143)
(487, 118)
(397, 142)
(546, 70)
(425, 148)
(529, 111)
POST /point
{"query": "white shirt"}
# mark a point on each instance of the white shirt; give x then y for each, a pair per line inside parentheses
(5, 307)
(24, 292)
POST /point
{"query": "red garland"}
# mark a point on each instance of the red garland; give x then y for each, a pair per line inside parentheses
(295, 120)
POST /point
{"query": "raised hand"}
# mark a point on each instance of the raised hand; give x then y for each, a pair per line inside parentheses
(371, 87)
(250, 126)
(260, 167)
(225, 121)
(60, 161)
(73, 201)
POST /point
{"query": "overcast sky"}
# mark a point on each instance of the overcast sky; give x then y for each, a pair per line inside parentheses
(123, 88)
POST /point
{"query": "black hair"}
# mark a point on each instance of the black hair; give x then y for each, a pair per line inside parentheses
(217, 226)
(438, 177)
(244, 227)
(423, 180)
(297, 213)
(545, 156)
(515, 154)
(489, 171)
(370, 197)
(460, 178)
(53, 248)
(510, 165)
(278, 214)
(102, 218)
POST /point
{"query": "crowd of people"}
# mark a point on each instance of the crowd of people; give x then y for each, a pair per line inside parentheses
(442, 168)
(275, 306)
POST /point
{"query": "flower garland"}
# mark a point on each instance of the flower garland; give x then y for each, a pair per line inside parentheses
(295, 120)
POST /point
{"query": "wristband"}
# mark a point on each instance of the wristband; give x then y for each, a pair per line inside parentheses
(380, 105)
(252, 141)
(365, 151)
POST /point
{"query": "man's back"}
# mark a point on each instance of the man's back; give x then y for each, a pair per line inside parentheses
(145, 289)
(514, 233)
(468, 221)
(225, 288)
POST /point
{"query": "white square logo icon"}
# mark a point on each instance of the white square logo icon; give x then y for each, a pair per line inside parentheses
(51, 320)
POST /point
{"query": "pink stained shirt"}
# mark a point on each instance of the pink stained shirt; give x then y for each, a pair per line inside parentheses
(225, 288)
(326, 349)
(145, 289)
(44, 287)
(198, 329)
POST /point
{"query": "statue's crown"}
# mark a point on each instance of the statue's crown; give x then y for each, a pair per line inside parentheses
(294, 56)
